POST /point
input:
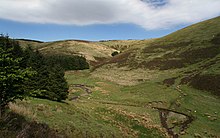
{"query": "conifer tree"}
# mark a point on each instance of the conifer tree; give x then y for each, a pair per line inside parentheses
(12, 75)
(49, 81)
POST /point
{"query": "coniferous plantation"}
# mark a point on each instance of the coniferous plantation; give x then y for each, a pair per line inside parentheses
(49, 81)
(26, 72)
(67, 62)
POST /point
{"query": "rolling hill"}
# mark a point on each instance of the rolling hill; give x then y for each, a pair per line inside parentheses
(164, 87)
(94, 52)
(193, 53)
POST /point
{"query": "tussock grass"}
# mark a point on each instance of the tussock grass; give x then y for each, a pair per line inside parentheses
(22, 110)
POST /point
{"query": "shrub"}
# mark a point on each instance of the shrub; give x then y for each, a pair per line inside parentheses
(115, 53)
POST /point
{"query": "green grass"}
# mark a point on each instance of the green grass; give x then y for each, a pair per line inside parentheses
(187, 52)
(199, 104)
(100, 114)
(68, 119)
(127, 86)
(119, 109)
(115, 110)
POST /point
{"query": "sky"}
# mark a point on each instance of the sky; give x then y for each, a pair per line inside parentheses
(51, 20)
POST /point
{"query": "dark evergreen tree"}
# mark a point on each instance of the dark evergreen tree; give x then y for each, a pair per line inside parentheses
(49, 81)
(68, 62)
(12, 75)
(58, 84)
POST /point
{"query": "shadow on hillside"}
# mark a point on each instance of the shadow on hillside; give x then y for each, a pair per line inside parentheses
(14, 125)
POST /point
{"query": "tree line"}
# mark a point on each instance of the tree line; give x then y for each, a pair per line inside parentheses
(26, 72)
(68, 62)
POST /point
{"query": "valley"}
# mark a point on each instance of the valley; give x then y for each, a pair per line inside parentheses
(163, 87)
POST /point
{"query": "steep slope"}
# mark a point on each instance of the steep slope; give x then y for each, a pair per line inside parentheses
(190, 55)
(187, 63)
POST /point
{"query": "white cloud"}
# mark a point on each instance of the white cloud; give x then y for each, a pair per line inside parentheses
(145, 13)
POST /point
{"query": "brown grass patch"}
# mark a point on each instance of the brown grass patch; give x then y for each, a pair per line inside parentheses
(21, 110)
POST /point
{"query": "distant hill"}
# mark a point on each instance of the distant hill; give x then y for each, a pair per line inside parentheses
(29, 40)
(94, 52)
(123, 45)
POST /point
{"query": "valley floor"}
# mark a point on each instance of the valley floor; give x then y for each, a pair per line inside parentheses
(99, 108)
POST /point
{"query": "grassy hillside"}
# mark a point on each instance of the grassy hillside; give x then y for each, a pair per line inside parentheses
(165, 87)
(187, 61)
(94, 52)
(99, 108)
(124, 45)
(27, 42)
(191, 54)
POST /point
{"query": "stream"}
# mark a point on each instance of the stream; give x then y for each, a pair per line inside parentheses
(164, 114)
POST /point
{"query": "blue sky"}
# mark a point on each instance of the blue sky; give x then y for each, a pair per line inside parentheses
(52, 32)
(94, 20)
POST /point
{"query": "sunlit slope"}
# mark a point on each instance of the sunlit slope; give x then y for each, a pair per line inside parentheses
(198, 32)
(124, 45)
(28, 42)
(190, 55)
(94, 52)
